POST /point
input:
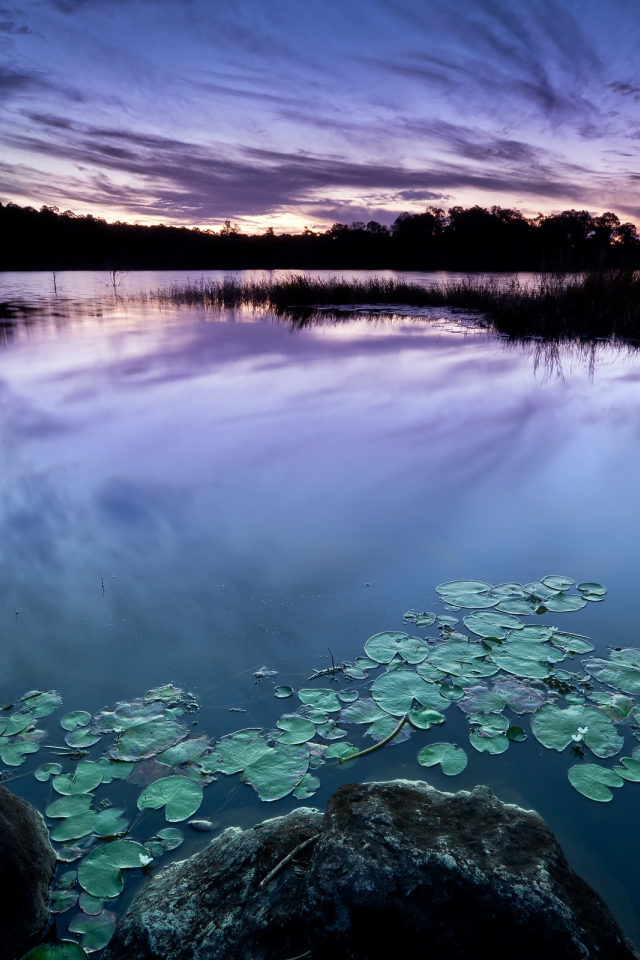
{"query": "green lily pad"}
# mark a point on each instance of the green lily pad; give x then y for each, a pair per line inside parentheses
(13, 754)
(518, 606)
(481, 699)
(556, 728)
(276, 774)
(68, 854)
(464, 586)
(283, 692)
(491, 624)
(571, 644)
(114, 769)
(490, 724)
(99, 873)
(180, 797)
(565, 603)
(170, 837)
(630, 769)
(69, 806)
(470, 600)
(622, 670)
(557, 583)
(451, 693)
(424, 717)
(67, 880)
(516, 734)
(381, 729)
(395, 692)
(518, 696)
(40, 704)
(81, 738)
(307, 787)
(425, 619)
(592, 781)
(506, 591)
(348, 696)
(384, 646)
(452, 759)
(109, 822)
(341, 751)
(168, 692)
(147, 739)
(184, 752)
(74, 828)
(485, 744)
(540, 590)
(462, 659)
(364, 710)
(63, 950)
(614, 705)
(324, 700)
(328, 731)
(78, 718)
(92, 906)
(126, 715)
(16, 723)
(62, 900)
(47, 770)
(233, 753)
(295, 729)
(529, 659)
(97, 930)
(87, 777)
(596, 588)
(428, 672)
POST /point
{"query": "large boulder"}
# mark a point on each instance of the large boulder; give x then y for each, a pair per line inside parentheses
(399, 869)
(27, 866)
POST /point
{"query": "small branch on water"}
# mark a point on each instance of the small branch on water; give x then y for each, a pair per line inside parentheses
(280, 866)
(376, 746)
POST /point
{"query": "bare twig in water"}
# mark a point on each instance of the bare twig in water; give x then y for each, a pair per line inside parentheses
(280, 866)
(376, 746)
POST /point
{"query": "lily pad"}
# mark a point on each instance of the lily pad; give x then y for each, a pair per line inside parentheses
(341, 751)
(114, 769)
(492, 745)
(168, 692)
(540, 590)
(424, 717)
(67, 880)
(62, 950)
(518, 606)
(571, 644)
(348, 696)
(87, 777)
(81, 738)
(622, 670)
(185, 752)
(516, 734)
(452, 759)
(74, 828)
(13, 754)
(295, 729)
(381, 729)
(565, 603)
(170, 837)
(109, 822)
(529, 659)
(506, 591)
(283, 692)
(383, 647)
(365, 710)
(470, 600)
(481, 699)
(62, 900)
(518, 696)
(596, 588)
(557, 583)
(126, 715)
(324, 700)
(99, 873)
(78, 718)
(47, 770)
(40, 704)
(592, 781)
(630, 769)
(462, 659)
(556, 728)
(97, 930)
(16, 723)
(307, 787)
(234, 753)
(615, 705)
(328, 731)
(148, 739)
(492, 624)
(276, 774)
(92, 906)
(428, 672)
(395, 692)
(179, 796)
(69, 806)
(451, 693)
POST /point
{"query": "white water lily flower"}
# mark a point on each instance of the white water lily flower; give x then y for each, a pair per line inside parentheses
(583, 730)
(144, 859)
(577, 737)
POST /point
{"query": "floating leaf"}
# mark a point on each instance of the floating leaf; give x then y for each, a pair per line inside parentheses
(109, 822)
(69, 806)
(68, 854)
(423, 718)
(170, 837)
(62, 900)
(456, 586)
(492, 624)
(341, 751)
(516, 734)
(92, 906)
(425, 619)
(67, 880)
(81, 738)
(78, 718)
(539, 590)
(395, 692)
(179, 796)
(168, 692)
(557, 583)
(13, 754)
(276, 774)
(99, 873)
(630, 769)
(571, 644)
(114, 769)
(596, 588)
(504, 591)
(518, 696)
(615, 705)
(520, 605)
(283, 692)
(148, 739)
(381, 729)
(328, 731)
(428, 672)
(622, 670)
(365, 710)
(126, 715)
(490, 724)
(324, 700)
(97, 930)
(452, 759)
(592, 781)
(451, 693)
(462, 659)
(235, 752)
(470, 599)
(556, 728)
(295, 729)
(565, 603)
(74, 828)
(146, 771)
(16, 723)
(384, 646)
(62, 950)
(184, 752)
(493, 745)
(40, 704)
(307, 787)
(529, 659)
(481, 699)
(348, 696)
(87, 777)
(47, 770)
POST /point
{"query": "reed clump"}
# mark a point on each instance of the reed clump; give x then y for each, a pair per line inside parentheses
(592, 305)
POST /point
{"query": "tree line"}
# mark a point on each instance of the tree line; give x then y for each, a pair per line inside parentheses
(472, 238)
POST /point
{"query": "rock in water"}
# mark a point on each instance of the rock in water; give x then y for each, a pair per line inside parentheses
(27, 866)
(399, 870)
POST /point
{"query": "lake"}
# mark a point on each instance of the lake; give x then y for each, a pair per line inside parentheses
(190, 496)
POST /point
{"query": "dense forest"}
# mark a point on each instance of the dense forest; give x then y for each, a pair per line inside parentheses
(474, 238)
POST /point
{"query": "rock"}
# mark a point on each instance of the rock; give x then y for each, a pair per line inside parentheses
(27, 866)
(400, 869)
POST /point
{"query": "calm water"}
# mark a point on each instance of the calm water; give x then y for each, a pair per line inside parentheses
(236, 483)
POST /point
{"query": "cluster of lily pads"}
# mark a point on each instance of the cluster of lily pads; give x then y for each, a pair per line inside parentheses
(498, 664)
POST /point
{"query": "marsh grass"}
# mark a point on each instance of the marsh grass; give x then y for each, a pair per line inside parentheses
(587, 306)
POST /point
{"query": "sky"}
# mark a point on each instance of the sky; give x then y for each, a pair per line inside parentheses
(289, 114)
